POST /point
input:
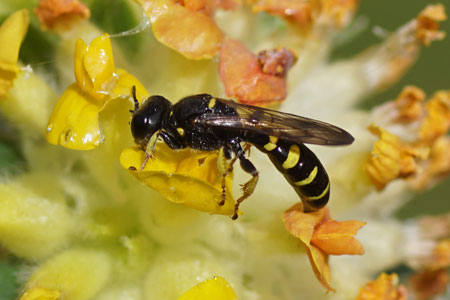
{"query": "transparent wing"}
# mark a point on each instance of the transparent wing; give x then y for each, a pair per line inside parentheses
(282, 125)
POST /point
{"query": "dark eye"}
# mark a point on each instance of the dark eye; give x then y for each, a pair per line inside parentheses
(148, 119)
(140, 126)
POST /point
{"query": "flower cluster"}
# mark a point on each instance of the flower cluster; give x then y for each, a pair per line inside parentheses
(94, 218)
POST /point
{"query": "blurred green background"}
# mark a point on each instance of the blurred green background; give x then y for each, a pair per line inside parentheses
(430, 73)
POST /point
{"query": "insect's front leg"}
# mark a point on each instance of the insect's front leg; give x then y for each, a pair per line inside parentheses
(150, 149)
(246, 165)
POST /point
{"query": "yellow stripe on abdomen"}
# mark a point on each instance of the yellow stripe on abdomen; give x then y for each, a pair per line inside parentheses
(320, 196)
(293, 157)
(308, 179)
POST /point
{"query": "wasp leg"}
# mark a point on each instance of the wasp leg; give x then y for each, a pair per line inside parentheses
(150, 146)
(224, 169)
(247, 166)
(171, 141)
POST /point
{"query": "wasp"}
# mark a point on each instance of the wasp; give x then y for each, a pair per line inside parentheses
(204, 122)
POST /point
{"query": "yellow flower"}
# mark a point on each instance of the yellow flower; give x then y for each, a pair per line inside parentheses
(74, 122)
(182, 176)
(391, 158)
(216, 288)
(12, 33)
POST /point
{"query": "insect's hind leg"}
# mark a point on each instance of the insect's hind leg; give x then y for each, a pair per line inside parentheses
(248, 187)
(225, 169)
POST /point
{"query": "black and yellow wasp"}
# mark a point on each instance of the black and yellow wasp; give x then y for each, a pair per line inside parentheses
(206, 123)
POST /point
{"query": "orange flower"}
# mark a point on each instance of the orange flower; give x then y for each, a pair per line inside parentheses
(322, 236)
(244, 75)
(187, 29)
(428, 24)
(409, 104)
(437, 121)
(385, 287)
(55, 14)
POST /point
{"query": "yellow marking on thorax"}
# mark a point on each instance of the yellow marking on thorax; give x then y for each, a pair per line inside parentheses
(212, 102)
(321, 195)
(171, 113)
(293, 157)
(180, 131)
(272, 144)
(308, 179)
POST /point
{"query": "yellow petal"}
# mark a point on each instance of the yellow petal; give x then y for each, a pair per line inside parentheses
(74, 121)
(123, 84)
(94, 66)
(217, 288)
(390, 158)
(37, 293)
(182, 177)
(12, 32)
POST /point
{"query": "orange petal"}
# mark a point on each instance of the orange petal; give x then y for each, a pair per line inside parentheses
(321, 268)
(241, 74)
(409, 104)
(336, 238)
(384, 288)
(436, 167)
(60, 13)
(182, 177)
(301, 225)
(192, 33)
(428, 24)
(437, 121)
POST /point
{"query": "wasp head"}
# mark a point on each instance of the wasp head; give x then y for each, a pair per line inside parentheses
(148, 118)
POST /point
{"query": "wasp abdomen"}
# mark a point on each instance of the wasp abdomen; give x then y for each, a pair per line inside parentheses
(301, 168)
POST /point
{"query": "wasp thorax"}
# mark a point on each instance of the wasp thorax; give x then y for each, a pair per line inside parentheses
(148, 118)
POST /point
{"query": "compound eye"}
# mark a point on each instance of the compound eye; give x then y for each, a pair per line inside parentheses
(141, 127)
